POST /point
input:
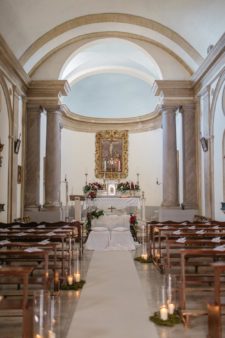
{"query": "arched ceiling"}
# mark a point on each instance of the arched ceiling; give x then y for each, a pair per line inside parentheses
(32, 28)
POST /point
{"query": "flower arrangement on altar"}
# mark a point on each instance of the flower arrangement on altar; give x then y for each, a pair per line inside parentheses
(91, 189)
(125, 186)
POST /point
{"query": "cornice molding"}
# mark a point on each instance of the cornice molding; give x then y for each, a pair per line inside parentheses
(174, 93)
(12, 67)
(46, 93)
(143, 123)
(210, 61)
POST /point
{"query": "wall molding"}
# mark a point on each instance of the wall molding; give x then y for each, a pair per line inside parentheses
(12, 68)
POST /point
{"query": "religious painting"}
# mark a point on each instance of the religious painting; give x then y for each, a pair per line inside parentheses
(111, 159)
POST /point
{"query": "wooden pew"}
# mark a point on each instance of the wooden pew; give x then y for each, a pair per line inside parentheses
(215, 307)
(185, 287)
(21, 306)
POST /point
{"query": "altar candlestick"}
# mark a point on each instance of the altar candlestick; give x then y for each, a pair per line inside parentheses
(86, 176)
(138, 178)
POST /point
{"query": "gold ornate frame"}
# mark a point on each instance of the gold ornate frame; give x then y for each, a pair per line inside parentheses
(111, 154)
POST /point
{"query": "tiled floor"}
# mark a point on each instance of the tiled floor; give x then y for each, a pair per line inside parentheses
(151, 281)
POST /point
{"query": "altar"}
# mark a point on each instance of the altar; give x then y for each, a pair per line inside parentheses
(113, 203)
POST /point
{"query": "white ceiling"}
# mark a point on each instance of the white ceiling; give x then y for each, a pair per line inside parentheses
(183, 29)
(199, 22)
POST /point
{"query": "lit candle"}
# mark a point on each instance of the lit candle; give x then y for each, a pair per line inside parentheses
(163, 313)
(38, 336)
(56, 281)
(70, 279)
(51, 334)
(144, 256)
(77, 277)
(171, 308)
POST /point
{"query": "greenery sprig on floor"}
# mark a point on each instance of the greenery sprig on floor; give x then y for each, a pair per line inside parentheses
(75, 286)
(171, 321)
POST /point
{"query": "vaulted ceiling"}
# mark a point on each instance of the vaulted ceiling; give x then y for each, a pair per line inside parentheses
(37, 31)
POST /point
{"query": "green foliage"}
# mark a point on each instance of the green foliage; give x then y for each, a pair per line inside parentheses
(75, 286)
(171, 321)
(142, 260)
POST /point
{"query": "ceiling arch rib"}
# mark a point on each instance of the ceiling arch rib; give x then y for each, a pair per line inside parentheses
(110, 55)
(111, 50)
(110, 22)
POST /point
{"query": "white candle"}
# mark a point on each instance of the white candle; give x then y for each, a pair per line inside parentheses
(104, 165)
(51, 334)
(119, 166)
(163, 313)
(144, 256)
(70, 279)
(171, 308)
(77, 277)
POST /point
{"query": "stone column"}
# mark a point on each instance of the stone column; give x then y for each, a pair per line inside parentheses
(189, 157)
(53, 159)
(32, 172)
(170, 176)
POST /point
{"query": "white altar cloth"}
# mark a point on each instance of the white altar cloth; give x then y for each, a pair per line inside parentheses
(106, 202)
(110, 232)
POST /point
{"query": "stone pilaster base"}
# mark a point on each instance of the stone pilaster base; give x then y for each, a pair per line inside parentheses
(176, 214)
(44, 215)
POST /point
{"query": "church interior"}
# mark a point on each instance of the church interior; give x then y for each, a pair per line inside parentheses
(112, 168)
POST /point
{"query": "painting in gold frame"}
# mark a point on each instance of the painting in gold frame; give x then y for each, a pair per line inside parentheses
(111, 154)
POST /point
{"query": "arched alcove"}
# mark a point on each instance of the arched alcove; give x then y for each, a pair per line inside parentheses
(111, 78)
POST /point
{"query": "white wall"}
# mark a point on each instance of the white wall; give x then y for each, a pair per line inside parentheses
(219, 124)
(144, 157)
(4, 133)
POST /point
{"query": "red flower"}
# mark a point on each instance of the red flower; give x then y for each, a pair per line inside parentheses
(133, 219)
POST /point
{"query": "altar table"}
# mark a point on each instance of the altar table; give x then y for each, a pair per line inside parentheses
(107, 202)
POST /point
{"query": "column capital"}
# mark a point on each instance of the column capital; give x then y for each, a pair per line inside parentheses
(47, 94)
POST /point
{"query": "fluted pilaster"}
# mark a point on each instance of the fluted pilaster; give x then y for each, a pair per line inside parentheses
(170, 176)
(32, 172)
(189, 157)
(53, 159)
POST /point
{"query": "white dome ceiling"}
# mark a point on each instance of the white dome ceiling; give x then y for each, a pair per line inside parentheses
(111, 78)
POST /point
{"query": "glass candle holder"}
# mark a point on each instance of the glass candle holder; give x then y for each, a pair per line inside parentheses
(41, 313)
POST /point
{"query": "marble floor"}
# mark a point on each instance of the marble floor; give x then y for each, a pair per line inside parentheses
(151, 281)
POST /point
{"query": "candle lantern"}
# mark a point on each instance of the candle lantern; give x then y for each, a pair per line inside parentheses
(171, 293)
(77, 275)
(54, 317)
(41, 313)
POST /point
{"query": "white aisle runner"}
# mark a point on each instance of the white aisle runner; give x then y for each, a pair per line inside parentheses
(112, 303)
